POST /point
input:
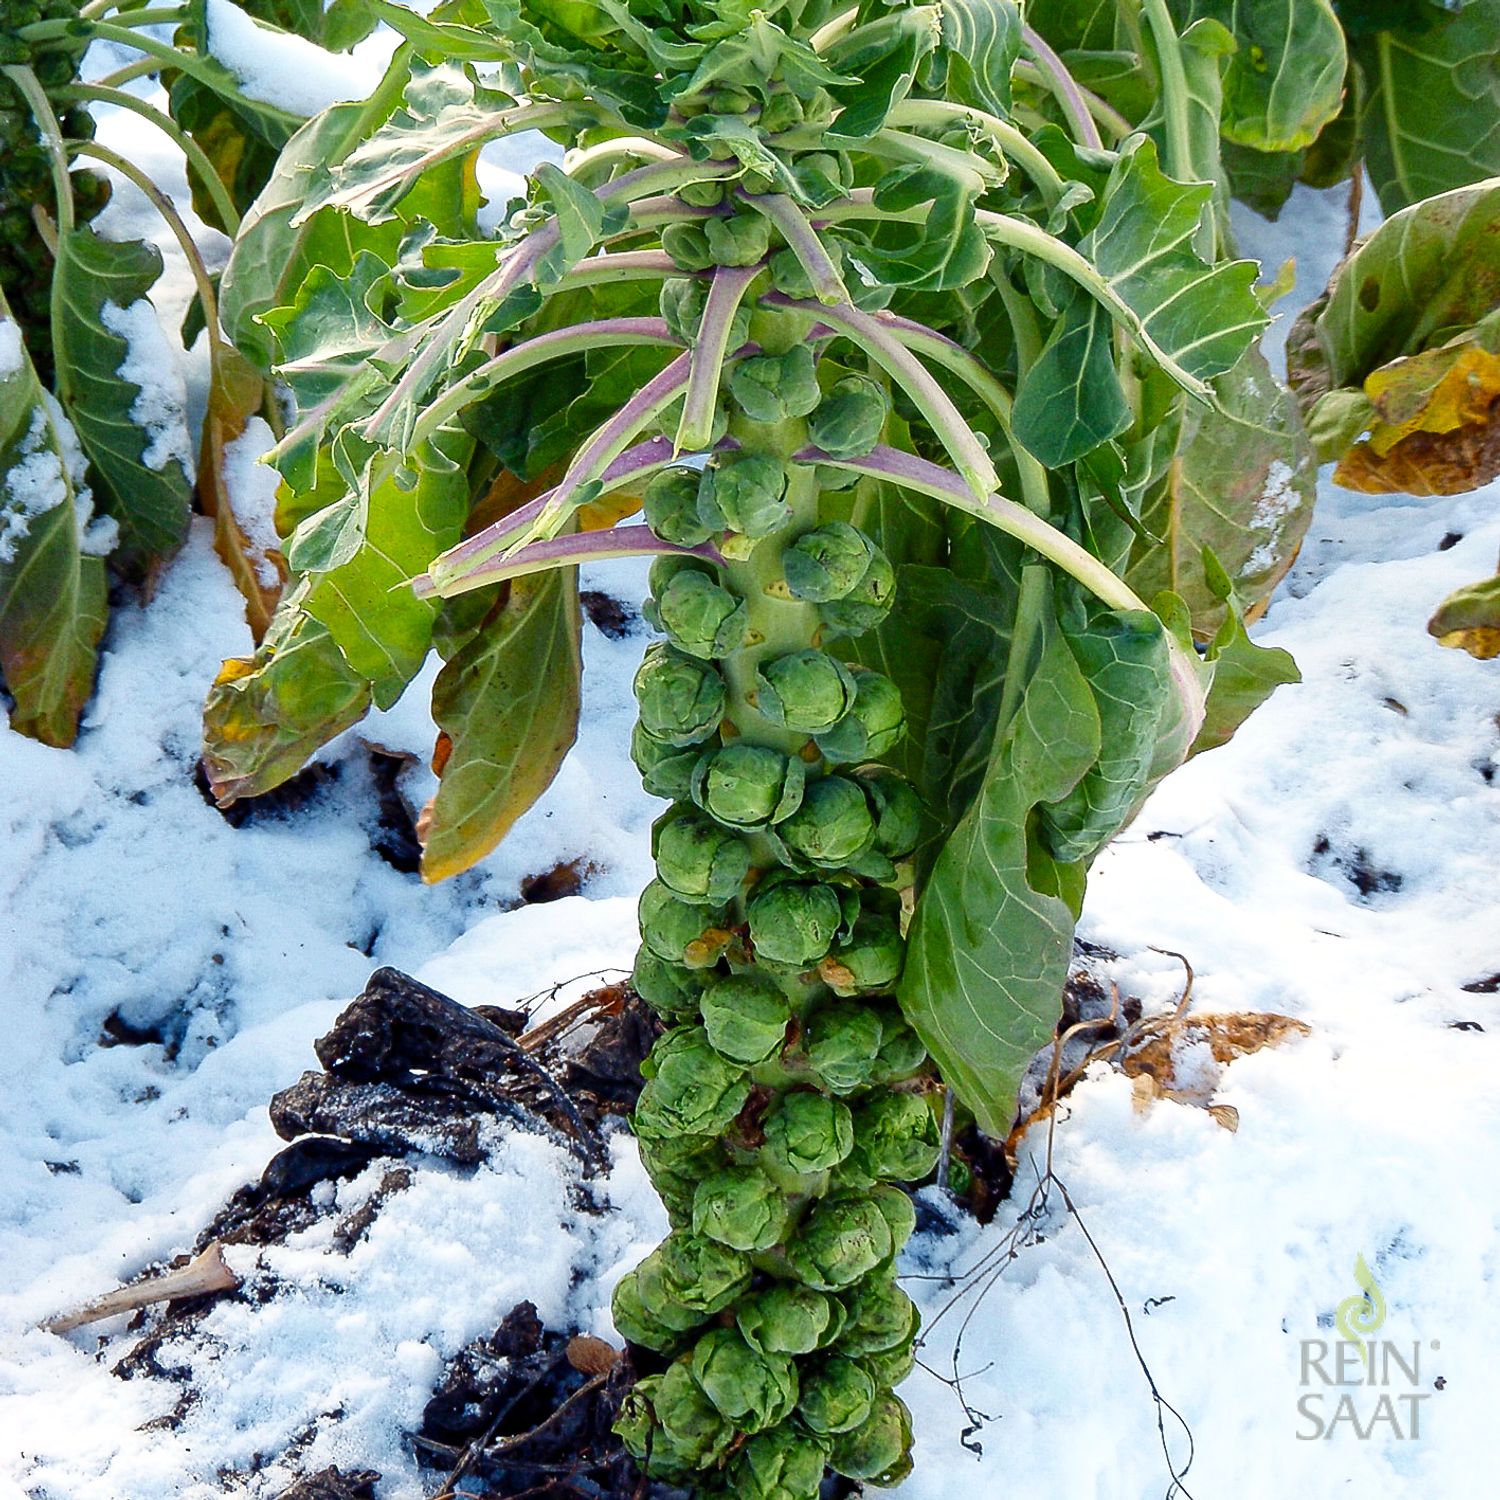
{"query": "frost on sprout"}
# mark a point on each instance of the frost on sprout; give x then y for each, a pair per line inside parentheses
(160, 406)
(44, 477)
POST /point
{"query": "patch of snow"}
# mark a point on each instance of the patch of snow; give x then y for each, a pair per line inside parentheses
(251, 487)
(288, 71)
(152, 366)
(12, 352)
(38, 481)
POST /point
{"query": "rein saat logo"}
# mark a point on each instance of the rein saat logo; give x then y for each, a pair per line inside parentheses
(1360, 1384)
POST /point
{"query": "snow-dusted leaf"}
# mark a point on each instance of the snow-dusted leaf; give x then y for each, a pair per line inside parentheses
(111, 381)
(1242, 483)
(52, 600)
(506, 705)
(1431, 120)
(237, 491)
(988, 949)
(444, 115)
(266, 714)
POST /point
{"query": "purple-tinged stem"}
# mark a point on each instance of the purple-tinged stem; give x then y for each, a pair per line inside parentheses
(948, 425)
(927, 478)
(710, 349)
(558, 552)
(601, 333)
(1064, 88)
(822, 274)
(623, 265)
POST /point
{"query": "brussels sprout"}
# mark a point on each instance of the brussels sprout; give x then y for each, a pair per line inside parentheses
(793, 921)
(697, 860)
(666, 770)
(708, 194)
(900, 1212)
(866, 604)
(679, 931)
(692, 1090)
(688, 1278)
(843, 1046)
(676, 1165)
(742, 1208)
(870, 961)
(745, 1017)
(873, 725)
(843, 1239)
(753, 1390)
(827, 562)
(636, 1423)
(836, 1396)
(671, 507)
(782, 111)
(688, 245)
(669, 989)
(633, 1322)
(743, 493)
(901, 1052)
(898, 812)
(807, 1132)
(850, 418)
(896, 1137)
(738, 241)
(700, 617)
(748, 786)
(805, 691)
(881, 1317)
(889, 1368)
(694, 1434)
(832, 827)
(879, 1448)
(789, 1318)
(773, 387)
(779, 1465)
(681, 700)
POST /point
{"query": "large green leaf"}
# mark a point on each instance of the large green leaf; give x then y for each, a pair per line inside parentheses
(411, 507)
(112, 400)
(1285, 79)
(1432, 116)
(981, 39)
(1124, 657)
(1203, 314)
(271, 258)
(266, 714)
(1242, 484)
(988, 949)
(506, 706)
(1071, 400)
(52, 602)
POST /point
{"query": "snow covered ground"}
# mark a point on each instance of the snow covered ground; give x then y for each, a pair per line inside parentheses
(1338, 862)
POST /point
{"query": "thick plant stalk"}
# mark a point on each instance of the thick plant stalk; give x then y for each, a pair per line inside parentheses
(771, 1123)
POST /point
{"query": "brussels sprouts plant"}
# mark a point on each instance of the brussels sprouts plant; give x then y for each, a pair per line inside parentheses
(889, 348)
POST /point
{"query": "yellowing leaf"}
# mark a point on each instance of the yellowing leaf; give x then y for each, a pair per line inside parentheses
(1469, 619)
(1437, 427)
